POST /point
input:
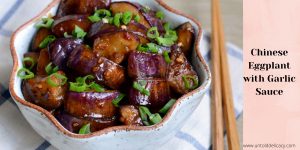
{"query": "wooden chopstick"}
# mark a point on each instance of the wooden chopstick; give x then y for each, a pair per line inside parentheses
(217, 113)
(229, 115)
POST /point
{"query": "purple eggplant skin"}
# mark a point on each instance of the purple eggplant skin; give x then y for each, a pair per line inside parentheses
(129, 115)
(82, 60)
(179, 68)
(143, 65)
(67, 24)
(91, 104)
(159, 94)
(81, 6)
(109, 73)
(38, 91)
(60, 50)
(73, 124)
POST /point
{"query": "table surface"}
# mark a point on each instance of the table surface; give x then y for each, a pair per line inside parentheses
(232, 13)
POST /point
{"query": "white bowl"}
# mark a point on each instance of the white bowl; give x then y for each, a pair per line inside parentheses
(118, 137)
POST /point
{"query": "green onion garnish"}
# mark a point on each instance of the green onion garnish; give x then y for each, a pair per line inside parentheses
(142, 48)
(63, 79)
(152, 47)
(153, 33)
(126, 18)
(103, 13)
(46, 23)
(78, 32)
(187, 85)
(160, 15)
(46, 41)
(24, 73)
(165, 109)
(110, 19)
(137, 18)
(166, 57)
(77, 87)
(167, 26)
(165, 41)
(145, 114)
(117, 19)
(96, 87)
(81, 86)
(155, 118)
(30, 60)
(117, 100)
(49, 69)
(141, 89)
(94, 18)
(146, 9)
(85, 129)
(66, 35)
(171, 34)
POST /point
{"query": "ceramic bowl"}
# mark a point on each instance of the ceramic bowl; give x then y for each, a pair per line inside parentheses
(118, 137)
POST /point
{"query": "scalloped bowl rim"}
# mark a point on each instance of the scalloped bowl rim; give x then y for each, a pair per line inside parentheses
(204, 86)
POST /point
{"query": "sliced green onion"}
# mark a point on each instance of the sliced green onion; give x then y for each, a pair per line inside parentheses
(152, 47)
(126, 18)
(46, 41)
(110, 19)
(49, 69)
(117, 100)
(144, 112)
(77, 87)
(146, 9)
(85, 129)
(171, 34)
(155, 118)
(24, 73)
(66, 35)
(165, 109)
(160, 15)
(166, 57)
(141, 89)
(117, 19)
(153, 33)
(165, 41)
(142, 48)
(187, 83)
(63, 79)
(30, 60)
(167, 26)
(103, 12)
(94, 18)
(46, 23)
(96, 87)
(137, 18)
(78, 32)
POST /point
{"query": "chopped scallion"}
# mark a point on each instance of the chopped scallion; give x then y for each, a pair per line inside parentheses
(46, 23)
(165, 109)
(117, 100)
(30, 60)
(141, 89)
(49, 69)
(85, 129)
(153, 33)
(46, 41)
(187, 85)
(126, 18)
(166, 57)
(155, 118)
(24, 73)
(137, 18)
(62, 79)
(117, 19)
(160, 15)
(142, 48)
(165, 41)
(78, 32)
(152, 47)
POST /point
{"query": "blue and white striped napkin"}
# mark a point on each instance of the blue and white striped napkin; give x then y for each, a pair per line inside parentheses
(16, 133)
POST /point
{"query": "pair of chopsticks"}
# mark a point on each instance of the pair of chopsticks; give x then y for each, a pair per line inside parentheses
(222, 99)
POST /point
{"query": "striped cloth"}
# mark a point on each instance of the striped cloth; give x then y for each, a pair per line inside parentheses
(16, 133)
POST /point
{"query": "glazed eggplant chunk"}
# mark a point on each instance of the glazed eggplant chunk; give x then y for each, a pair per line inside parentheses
(181, 76)
(143, 65)
(98, 64)
(38, 91)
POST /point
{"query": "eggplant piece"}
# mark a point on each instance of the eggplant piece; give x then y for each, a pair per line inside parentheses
(178, 69)
(73, 124)
(159, 93)
(116, 46)
(100, 28)
(91, 104)
(186, 37)
(143, 65)
(38, 91)
(121, 7)
(84, 61)
(67, 24)
(43, 61)
(34, 56)
(129, 115)
(68, 7)
(60, 50)
(41, 34)
(109, 73)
